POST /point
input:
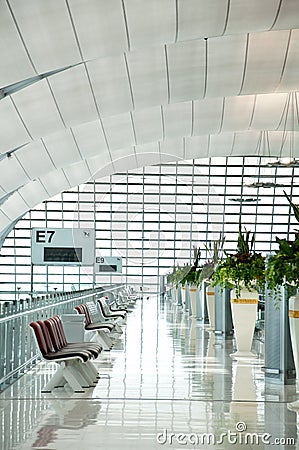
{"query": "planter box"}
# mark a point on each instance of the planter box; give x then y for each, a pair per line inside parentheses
(223, 313)
(279, 361)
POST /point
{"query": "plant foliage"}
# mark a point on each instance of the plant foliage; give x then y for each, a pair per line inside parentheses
(245, 268)
(214, 249)
(192, 273)
(283, 265)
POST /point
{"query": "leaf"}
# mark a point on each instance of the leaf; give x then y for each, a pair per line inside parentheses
(295, 207)
(284, 247)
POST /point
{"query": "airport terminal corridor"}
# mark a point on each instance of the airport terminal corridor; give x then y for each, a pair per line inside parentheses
(167, 383)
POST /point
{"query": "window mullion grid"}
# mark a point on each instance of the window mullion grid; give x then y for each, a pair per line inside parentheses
(175, 215)
(143, 224)
(191, 213)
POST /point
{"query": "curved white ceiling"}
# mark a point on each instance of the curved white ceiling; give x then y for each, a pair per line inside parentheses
(90, 87)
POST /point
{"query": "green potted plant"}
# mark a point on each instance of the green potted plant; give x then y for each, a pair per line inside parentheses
(174, 279)
(243, 269)
(283, 270)
(283, 265)
(214, 251)
(244, 273)
(191, 277)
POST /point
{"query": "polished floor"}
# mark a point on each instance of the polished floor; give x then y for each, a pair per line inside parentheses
(167, 383)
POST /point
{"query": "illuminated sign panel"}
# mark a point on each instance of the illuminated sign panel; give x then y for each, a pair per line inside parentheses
(108, 264)
(62, 246)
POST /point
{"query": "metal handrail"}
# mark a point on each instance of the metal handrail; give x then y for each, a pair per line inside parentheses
(18, 348)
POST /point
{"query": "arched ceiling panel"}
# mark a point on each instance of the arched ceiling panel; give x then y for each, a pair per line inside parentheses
(148, 124)
(197, 147)
(33, 193)
(172, 147)
(100, 27)
(15, 206)
(5, 221)
(149, 82)
(17, 65)
(245, 143)
(148, 77)
(177, 119)
(12, 174)
(238, 112)
(226, 59)
(15, 132)
(219, 142)
(268, 111)
(73, 95)
(77, 172)
(3, 195)
(37, 108)
(208, 115)
(146, 159)
(126, 162)
(110, 84)
(253, 15)
(148, 154)
(290, 76)
(265, 61)
(288, 15)
(150, 22)
(35, 159)
(199, 18)
(119, 131)
(47, 32)
(90, 139)
(186, 70)
(100, 165)
(55, 182)
(62, 148)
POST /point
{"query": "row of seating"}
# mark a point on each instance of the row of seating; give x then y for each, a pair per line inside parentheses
(103, 325)
(74, 359)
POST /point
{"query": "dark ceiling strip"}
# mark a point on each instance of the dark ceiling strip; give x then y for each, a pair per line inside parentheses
(226, 17)
(206, 68)
(129, 80)
(8, 153)
(176, 20)
(162, 122)
(48, 153)
(245, 64)
(222, 115)
(21, 118)
(285, 58)
(167, 74)
(252, 113)
(133, 127)
(276, 16)
(192, 117)
(19, 85)
(126, 24)
(74, 29)
(56, 104)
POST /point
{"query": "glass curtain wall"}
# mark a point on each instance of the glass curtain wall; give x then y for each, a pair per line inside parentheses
(152, 217)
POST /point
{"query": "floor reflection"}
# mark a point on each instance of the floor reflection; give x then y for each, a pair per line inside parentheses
(166, 375)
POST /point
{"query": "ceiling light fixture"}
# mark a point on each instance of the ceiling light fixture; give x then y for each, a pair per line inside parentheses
(265, 184)
(244, 200)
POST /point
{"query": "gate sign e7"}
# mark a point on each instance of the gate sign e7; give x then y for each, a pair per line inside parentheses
(63, 246)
